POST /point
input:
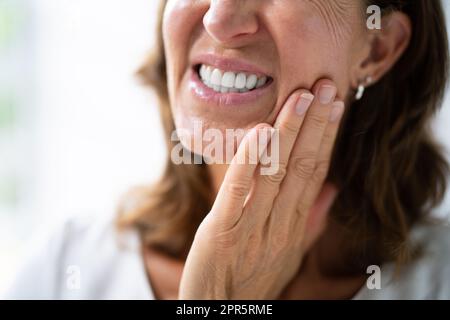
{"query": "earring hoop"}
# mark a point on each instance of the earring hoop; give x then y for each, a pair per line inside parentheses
(362, 88)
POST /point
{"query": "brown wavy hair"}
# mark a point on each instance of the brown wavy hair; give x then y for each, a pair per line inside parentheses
(390, 171)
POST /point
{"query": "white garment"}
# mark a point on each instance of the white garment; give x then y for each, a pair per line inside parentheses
(86, 259)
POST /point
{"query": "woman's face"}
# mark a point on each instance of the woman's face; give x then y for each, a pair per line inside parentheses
(232, 64)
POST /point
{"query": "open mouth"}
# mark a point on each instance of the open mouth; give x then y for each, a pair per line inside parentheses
(224, 81)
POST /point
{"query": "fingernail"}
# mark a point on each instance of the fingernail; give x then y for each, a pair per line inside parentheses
(337, 111)
(327, 93)
(304, 103)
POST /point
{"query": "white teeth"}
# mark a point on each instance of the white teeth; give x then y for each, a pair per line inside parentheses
(225, 82)
(202, 72)
(208, 73)
(261, 81)
(216, 77)
(241, 80)
(228, 79)
(252, 80)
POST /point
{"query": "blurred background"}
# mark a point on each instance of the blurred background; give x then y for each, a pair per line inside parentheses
(76, 127)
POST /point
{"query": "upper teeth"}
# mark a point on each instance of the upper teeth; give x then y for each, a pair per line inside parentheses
(227, 81)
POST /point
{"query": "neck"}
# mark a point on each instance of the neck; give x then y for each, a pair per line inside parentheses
(322, 267)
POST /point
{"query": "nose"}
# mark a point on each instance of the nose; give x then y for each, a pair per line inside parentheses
(230, 20)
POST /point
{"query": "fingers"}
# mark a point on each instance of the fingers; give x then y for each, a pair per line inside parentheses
(305, 154)
(288, 126)
(309, 198)
(228, 207)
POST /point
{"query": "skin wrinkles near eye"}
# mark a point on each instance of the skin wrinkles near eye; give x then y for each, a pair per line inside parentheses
(337, 14)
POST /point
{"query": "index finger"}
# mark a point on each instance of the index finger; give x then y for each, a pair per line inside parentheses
(237, 183)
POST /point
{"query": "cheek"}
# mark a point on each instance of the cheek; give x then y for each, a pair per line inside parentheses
(176, 20)
(179, 21)
(309, 51)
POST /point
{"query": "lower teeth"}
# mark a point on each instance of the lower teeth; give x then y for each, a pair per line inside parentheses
(221, 89)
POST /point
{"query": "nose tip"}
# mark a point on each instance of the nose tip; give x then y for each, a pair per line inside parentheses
(227, 20)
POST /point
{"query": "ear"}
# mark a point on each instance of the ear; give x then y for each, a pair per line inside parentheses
(385, 48)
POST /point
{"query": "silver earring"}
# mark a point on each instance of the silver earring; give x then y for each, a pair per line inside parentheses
(362, 88)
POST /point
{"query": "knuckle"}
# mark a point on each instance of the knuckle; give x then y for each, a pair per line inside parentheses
(226, 240)
(277, 177)
(317, 121)
(290, 128)
(253, 247)
(321, 171)
(304, 167)
(328, 136)
(237, 190)
(280, 241)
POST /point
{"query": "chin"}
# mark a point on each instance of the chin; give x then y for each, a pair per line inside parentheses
(214, 141)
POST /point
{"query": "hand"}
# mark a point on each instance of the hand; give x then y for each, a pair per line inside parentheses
(251, 244)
